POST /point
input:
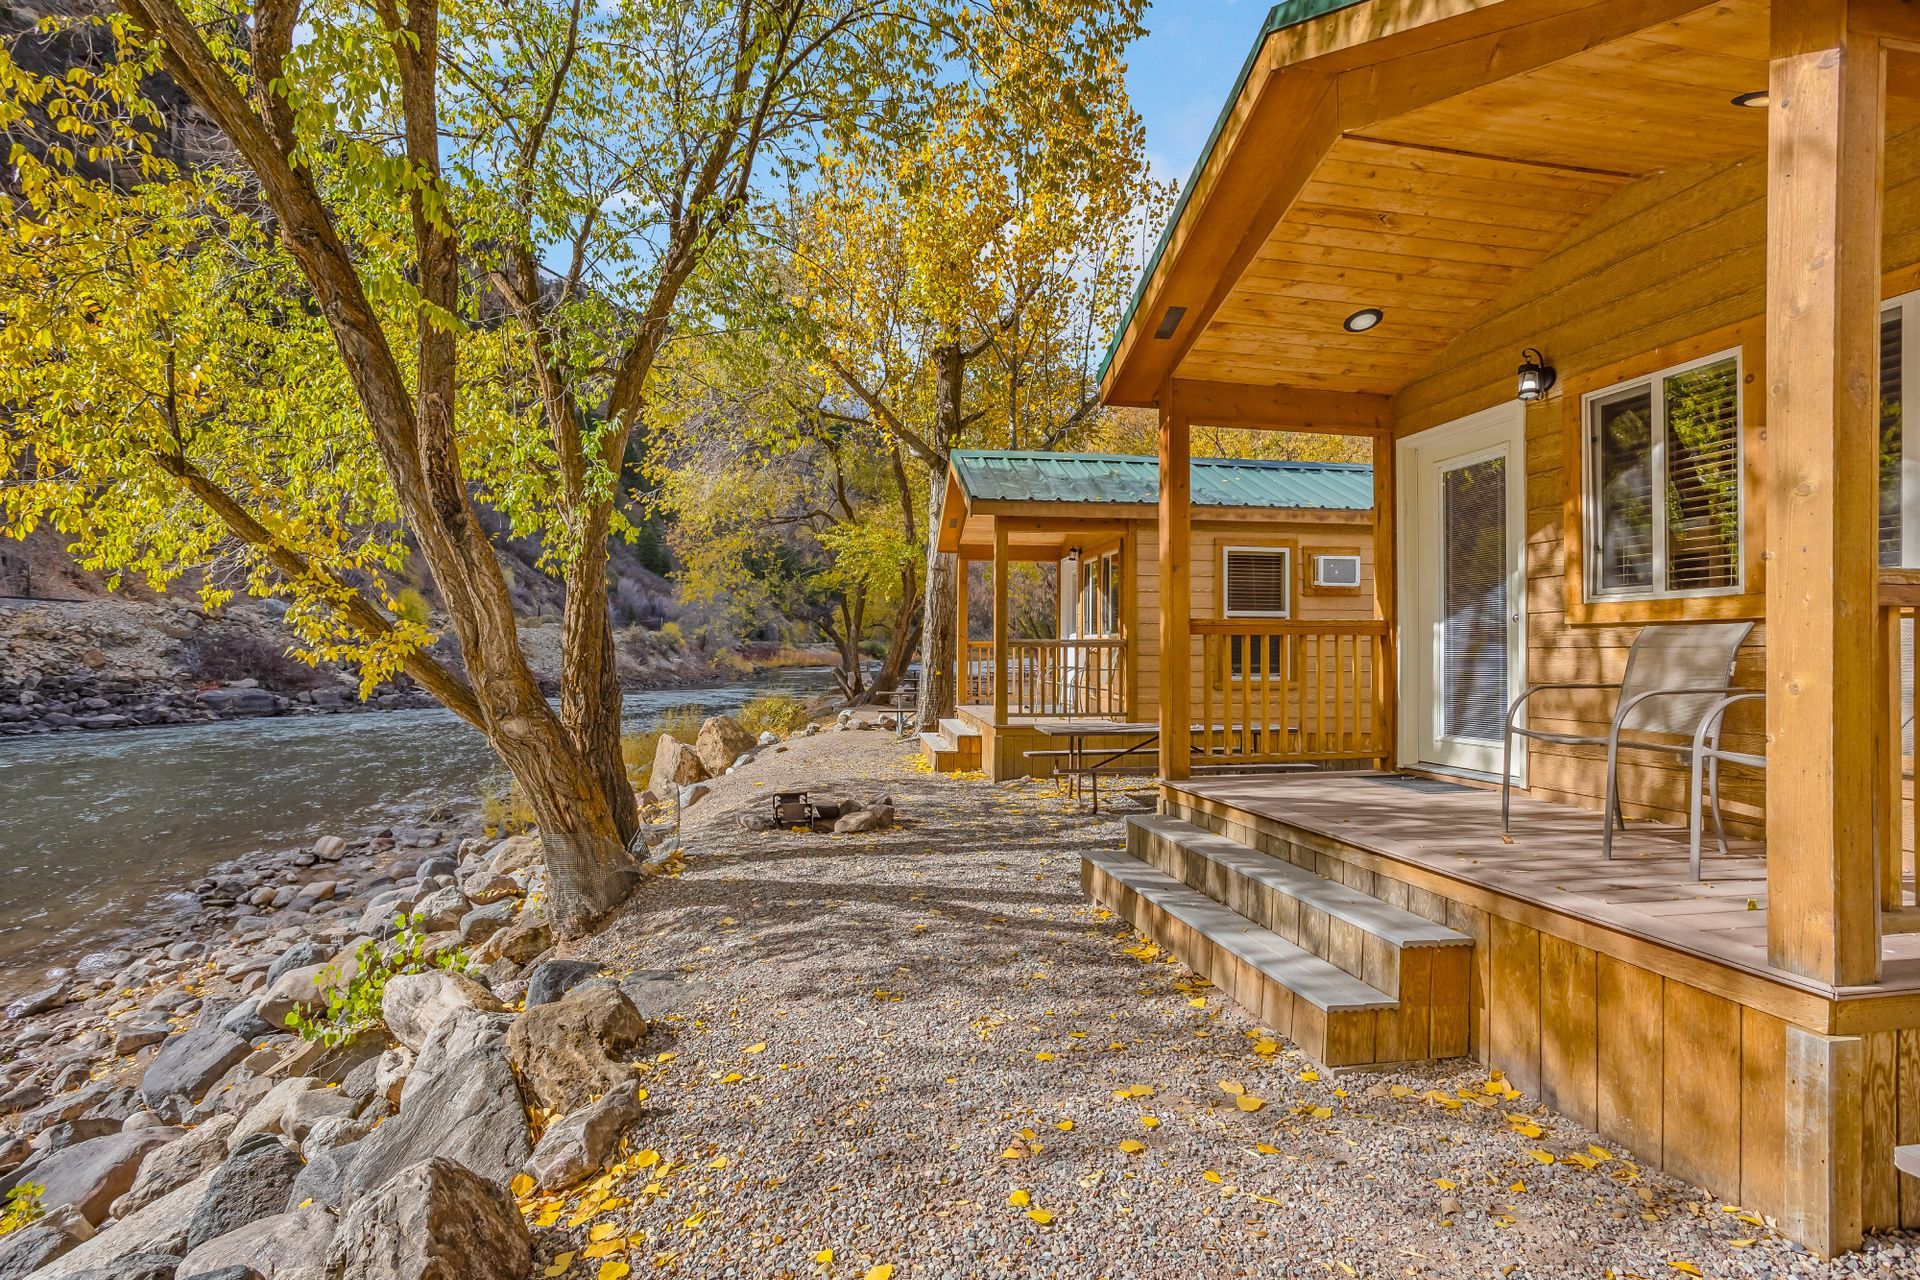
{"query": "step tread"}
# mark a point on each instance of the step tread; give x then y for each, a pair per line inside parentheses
(938, 742)
(1301, 972)
(1343, 902)
(957, 729)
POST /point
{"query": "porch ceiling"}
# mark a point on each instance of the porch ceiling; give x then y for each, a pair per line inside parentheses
(1428, 181)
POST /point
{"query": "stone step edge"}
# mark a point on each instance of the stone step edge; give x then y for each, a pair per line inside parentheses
(1307, 976)
(1395, 925)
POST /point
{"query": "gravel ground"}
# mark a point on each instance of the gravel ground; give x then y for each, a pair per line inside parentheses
(923, 1050)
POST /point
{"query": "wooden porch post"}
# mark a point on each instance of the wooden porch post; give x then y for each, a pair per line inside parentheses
(962, 666)
(999, 622)
(1825, 147)
(1130, 618)
(1386, 683)
(1176, 674)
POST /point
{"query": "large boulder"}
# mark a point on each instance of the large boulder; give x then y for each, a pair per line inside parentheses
(552, 979)
(460, 1101)
(251, 1184)
(675, 764)
(721, 742)
(284, 1246)
(189, 1064)
(441, 910)
(33, 1246)
(177, 1163)
(270, 1113)
(583, 1142)
(413, 1004)
(575, 1049)
(160, 1227)
(515, 853)
(91, 1175)
(436, 1220)
(303, 989)
(528, 937)
(320, 1182)
(141, 1266)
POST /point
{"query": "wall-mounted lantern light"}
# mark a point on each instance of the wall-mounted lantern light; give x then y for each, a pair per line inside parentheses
(1073, 555)
(1536, 375)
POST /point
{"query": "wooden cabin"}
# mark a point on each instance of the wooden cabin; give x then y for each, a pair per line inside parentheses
(1626, 297)
(1273, 543)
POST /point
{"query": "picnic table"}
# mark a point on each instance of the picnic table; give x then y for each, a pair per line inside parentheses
(1076, 733)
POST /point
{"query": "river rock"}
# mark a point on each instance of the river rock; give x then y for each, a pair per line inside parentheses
(142, 1266)
(239, 702)
(32, 1247)
(675, 764)
(414, 1003)
(199, 1151)
(515, 853)
(285, 1246)
(48, 997)
(189, 1064)
(482, 923)
(584, 1141)
(322, 1177)
(91, 1175)
(303, 990)
(721, 742)
(521, 942)
(577, 1048)
(244, 1020)
(252, 1183)
(441, 910)
(329, 848)
(460, 1101)
(315, 1107)
(298, 956)
(433, 1220)
(78, 1130)
(552, 979)
(132, 1037)
(489, 887)
(269, 1114)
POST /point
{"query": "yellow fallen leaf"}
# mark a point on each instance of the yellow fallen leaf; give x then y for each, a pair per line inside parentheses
(1064, 1126)
(1685, 1268)
(1247, 1102)
(521, 1184)
(602, 1231)
(1599, 1153)
(1742, 1244)
(757, 1048)
(1400, 1091)
(1020, 1198)
(1211, 1176)
(1152, 1122)
(823, 1257)
(732, 1077)
(1043, 1056)
(559, 1265)
(1228, 1086)
(1041, 1216)
(1321, 1113)
(718, 1162)
(1267, 1149)
(1544, 1157)
(1198, 1002)
(1133, 1146)
(1518, 1187)
(605, 1249)
(646, 1159)
(882, 1272)
(1267, 1048)
(1309, 1076)
(1012, 1153)
(1446, 1184)
(614, 1270)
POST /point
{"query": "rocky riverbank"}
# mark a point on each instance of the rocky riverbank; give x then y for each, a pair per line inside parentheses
(164, 1115)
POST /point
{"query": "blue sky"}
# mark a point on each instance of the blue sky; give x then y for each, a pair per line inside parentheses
(1180, 72)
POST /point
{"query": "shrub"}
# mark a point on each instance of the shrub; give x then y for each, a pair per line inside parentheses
(412, 606)
(504, 808)
(354, 1006)
(230, 654)
(22, 1207)
(781, 712)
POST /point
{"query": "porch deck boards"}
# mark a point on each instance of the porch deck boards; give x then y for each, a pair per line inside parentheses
(1552, 861)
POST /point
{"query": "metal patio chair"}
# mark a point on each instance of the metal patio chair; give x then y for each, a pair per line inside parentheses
(1709, 755)
(1677, 674)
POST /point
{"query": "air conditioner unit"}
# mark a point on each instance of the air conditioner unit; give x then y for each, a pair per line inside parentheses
(1336, 571)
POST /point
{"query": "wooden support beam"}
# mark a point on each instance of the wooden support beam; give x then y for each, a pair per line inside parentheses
(1130, 616)
(960, 629)
(1228, 404)
(1821, 1169)
(1386, 682)
(1176, 501)
(999, 623)
(1825, 153)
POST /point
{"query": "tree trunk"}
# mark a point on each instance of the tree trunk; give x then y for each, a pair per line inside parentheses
(905, 634)
(590, 701)
(938, 654)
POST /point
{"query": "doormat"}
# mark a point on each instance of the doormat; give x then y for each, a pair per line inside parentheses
(1425, 786)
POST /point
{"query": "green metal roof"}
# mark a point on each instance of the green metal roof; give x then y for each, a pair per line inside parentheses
(1127, 479)
(1287, 13)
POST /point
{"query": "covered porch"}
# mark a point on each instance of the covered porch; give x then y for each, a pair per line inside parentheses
(1621, 204)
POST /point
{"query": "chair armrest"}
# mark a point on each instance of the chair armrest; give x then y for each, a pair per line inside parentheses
(1513, 708)
(1620, 712)
(1710, 723)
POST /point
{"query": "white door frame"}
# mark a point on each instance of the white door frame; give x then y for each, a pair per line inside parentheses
(1418, 460)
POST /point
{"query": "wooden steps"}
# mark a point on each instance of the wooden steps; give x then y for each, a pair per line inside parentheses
(954, 747)
(1351, 979)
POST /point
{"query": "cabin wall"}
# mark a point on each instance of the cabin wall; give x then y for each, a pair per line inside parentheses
(1664, 263)
(1208, 540)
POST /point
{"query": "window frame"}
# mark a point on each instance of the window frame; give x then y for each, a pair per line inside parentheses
(1285, 551)
(1591, 513)
(1908, 304)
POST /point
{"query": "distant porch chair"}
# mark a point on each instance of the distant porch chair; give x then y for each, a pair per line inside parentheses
(1677, 676)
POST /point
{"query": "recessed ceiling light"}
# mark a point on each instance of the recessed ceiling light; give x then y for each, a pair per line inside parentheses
(1361, 321)
(1758, 98)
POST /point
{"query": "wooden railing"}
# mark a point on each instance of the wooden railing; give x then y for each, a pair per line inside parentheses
(1053, 677)
(1287, 692)
(1898, 803)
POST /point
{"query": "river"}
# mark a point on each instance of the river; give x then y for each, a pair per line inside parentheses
(102, 832)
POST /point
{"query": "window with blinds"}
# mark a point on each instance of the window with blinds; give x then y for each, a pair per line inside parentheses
(1664, 500)
(1893, 469)
(1256, 580)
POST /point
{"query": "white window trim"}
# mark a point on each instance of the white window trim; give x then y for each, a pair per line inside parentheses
(1320, 558)
(1590, 515)
(1226, 586)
